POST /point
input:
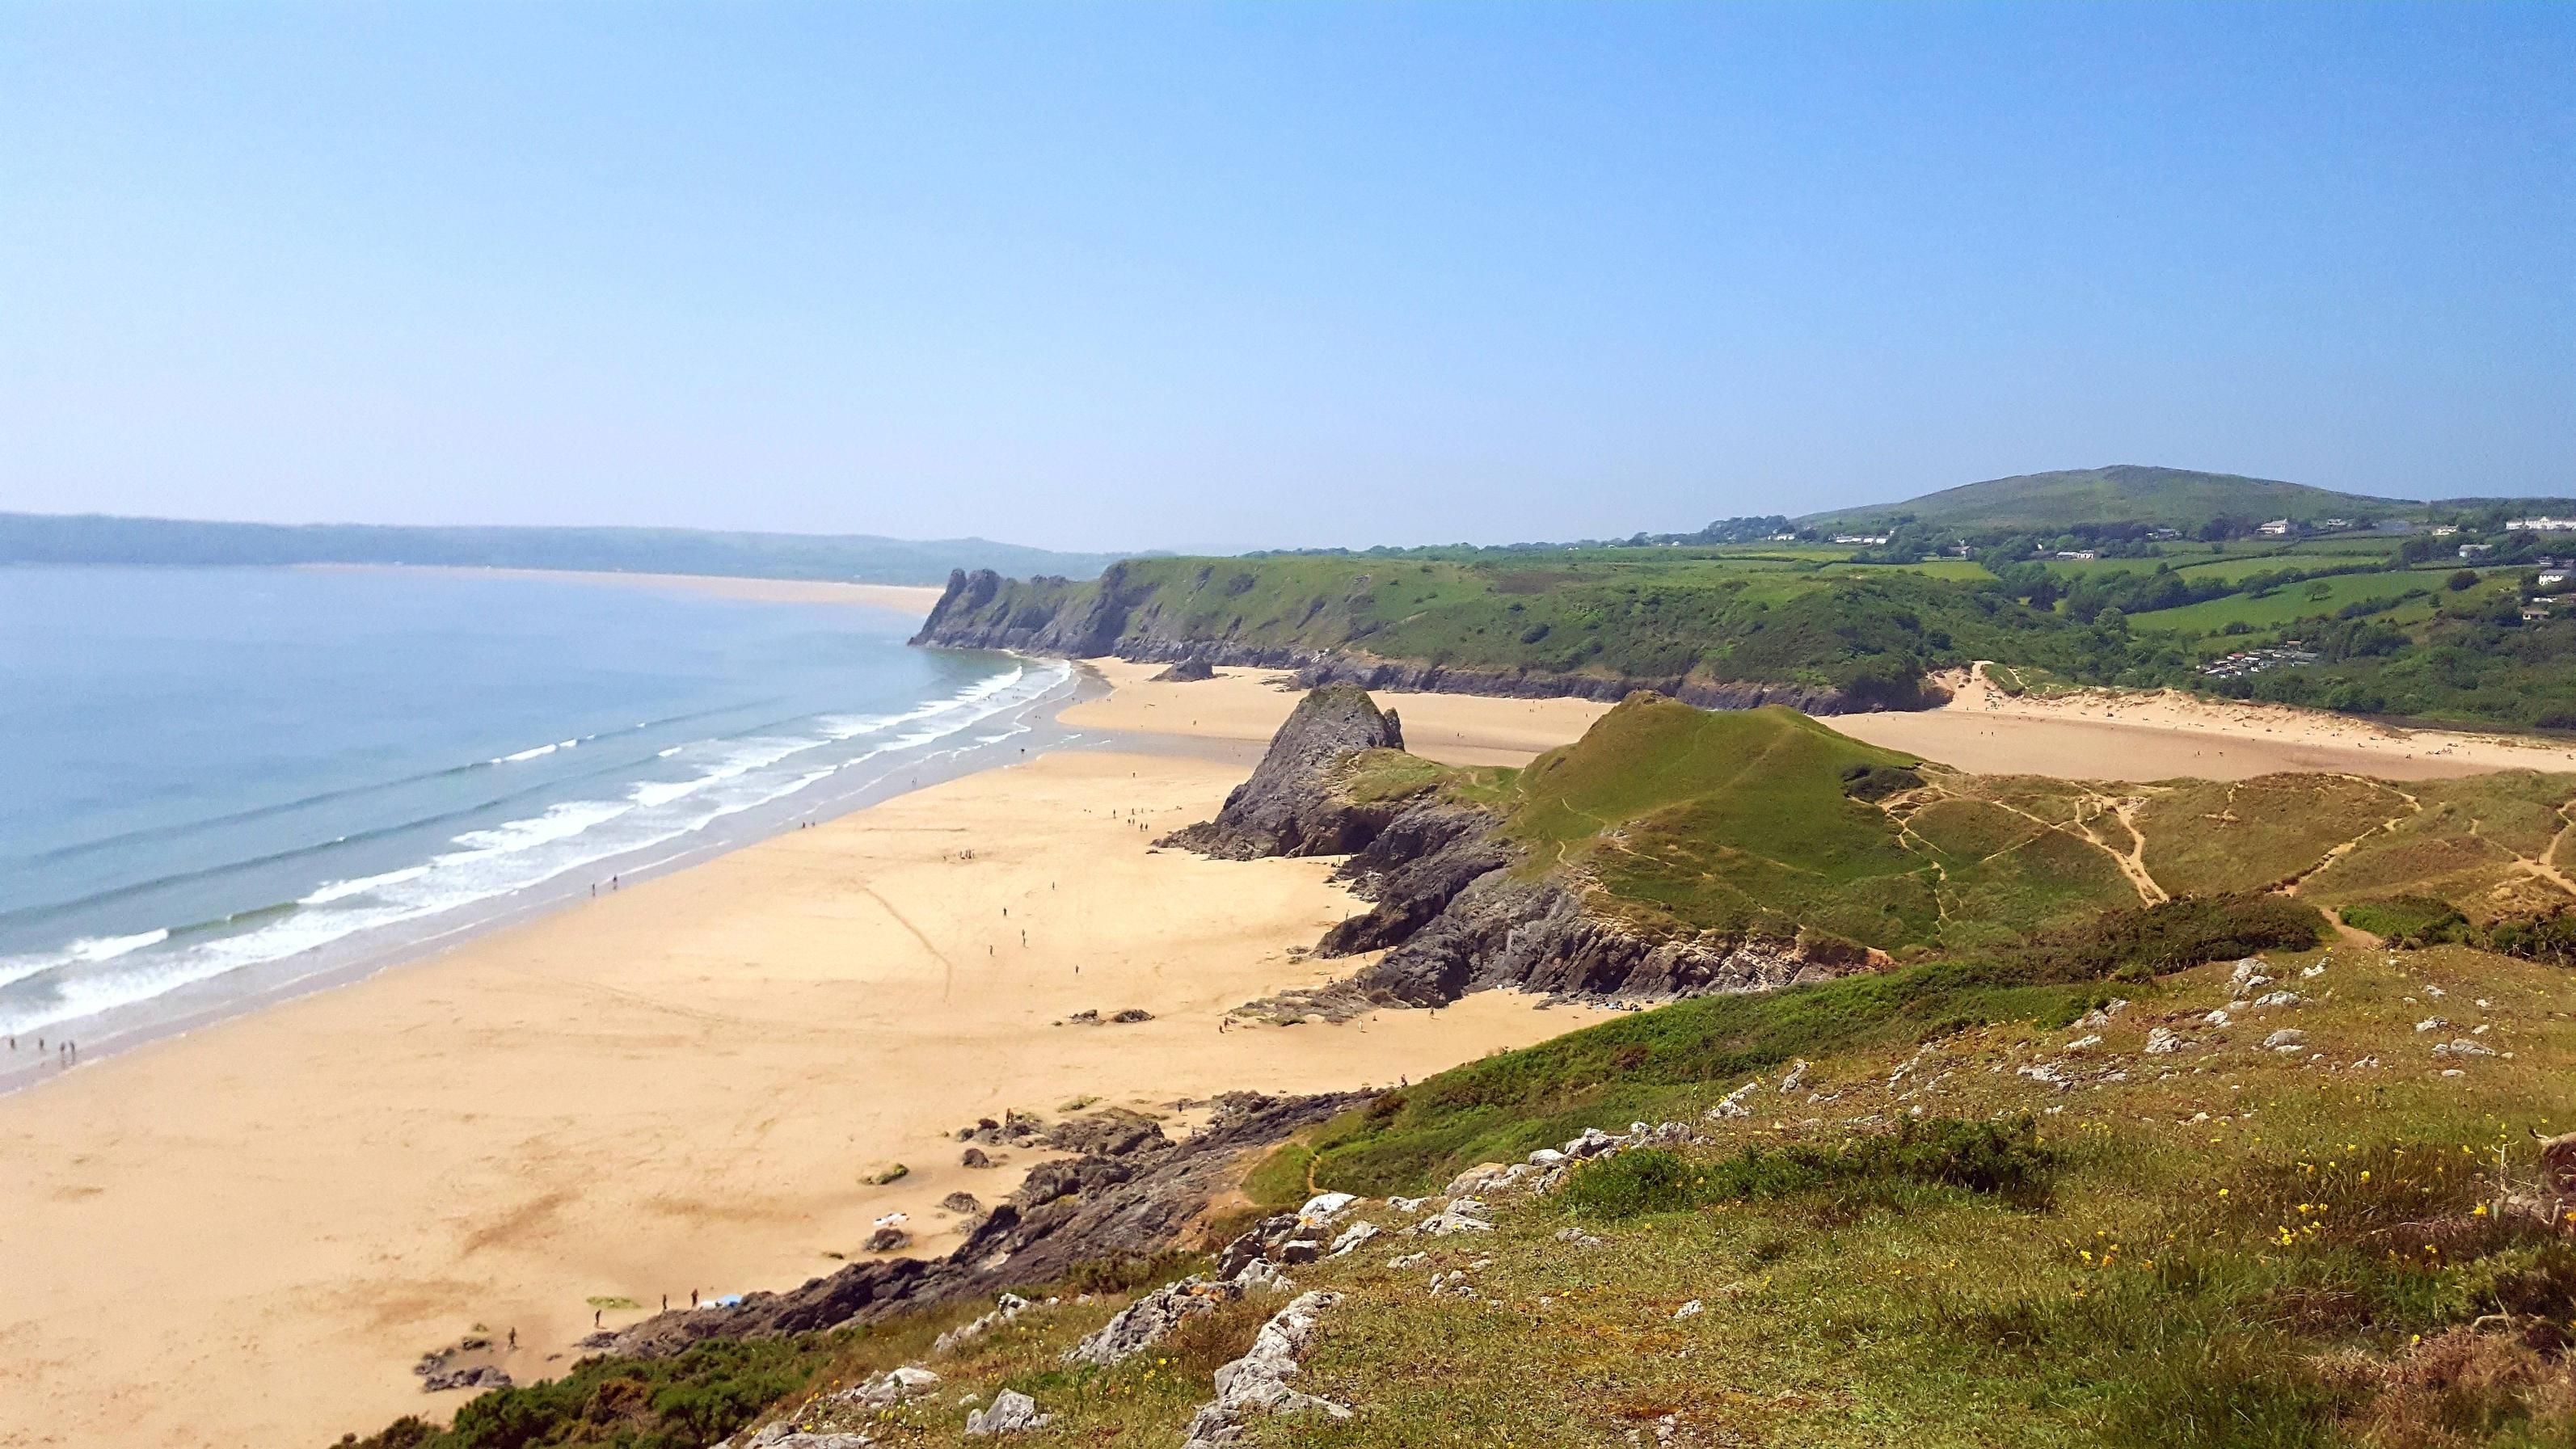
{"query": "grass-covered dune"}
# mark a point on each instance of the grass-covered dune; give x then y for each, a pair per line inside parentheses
(1689, 824)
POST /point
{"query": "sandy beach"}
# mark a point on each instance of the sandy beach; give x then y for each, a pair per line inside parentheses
(2105, 734)
(244, 1236)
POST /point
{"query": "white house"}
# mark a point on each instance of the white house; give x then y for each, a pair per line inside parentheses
(2540, 523)
(2277, 528)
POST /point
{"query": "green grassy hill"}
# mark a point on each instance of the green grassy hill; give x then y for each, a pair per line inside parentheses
(2124, 493)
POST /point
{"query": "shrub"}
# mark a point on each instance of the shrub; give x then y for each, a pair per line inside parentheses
(1999, 1159)
(2408, 921)
(2550, 938)
(2170, 936)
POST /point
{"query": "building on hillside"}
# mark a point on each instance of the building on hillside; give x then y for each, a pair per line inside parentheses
(2277, 528)
(2334, 525)
(2540, 523)
(1865, 540)
(2443, 530)
(2553, 578)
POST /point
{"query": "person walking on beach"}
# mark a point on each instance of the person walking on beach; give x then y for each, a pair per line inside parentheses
(514, 1340)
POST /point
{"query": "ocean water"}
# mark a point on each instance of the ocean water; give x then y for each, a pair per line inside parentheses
(221, 782)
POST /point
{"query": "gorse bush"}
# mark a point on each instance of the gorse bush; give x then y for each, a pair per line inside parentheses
(1999, 1159)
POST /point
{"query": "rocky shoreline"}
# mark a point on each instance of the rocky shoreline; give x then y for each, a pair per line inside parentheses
(1131, 1193)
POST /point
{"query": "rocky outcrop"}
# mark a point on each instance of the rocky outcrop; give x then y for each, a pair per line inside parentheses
(1189, 671)
(1147, 1321)
(1293, 804)
(1068, 1213)
(1503, 930)
(1047, 616)
(1257, 1383)
(1453, 903)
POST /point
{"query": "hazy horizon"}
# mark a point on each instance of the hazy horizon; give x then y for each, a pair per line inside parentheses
(1098, 278)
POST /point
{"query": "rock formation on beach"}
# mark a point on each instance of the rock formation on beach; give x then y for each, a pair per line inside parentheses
(1291, 805)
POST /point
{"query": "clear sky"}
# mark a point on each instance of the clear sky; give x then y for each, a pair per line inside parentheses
(1228, 276)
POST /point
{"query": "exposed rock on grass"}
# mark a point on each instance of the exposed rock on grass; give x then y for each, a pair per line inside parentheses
(1257, 1383)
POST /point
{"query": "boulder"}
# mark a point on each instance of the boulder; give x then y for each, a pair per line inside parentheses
(1142, 1324)
(1012, 1412)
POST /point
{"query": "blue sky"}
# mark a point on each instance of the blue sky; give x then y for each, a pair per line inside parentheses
(1232, 276)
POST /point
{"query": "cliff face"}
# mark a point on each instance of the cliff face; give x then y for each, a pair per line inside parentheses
(1454, 908)
(1120, 616)
(1291, 806)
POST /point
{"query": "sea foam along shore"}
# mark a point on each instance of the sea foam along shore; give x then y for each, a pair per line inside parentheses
(705, 797)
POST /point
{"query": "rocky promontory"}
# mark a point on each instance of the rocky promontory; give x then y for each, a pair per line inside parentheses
(1456, 904)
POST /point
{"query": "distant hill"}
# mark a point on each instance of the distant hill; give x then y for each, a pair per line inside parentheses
(35, 538)
(2123, 493)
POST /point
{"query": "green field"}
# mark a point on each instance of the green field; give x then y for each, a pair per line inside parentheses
(2286, 602)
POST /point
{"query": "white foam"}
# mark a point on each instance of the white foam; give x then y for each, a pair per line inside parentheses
(528, 754)
(343, 889)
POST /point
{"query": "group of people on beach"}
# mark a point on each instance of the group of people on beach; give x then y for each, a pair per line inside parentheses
(66, 1051)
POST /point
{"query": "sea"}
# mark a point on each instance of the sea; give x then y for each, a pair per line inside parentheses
(219, 786)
